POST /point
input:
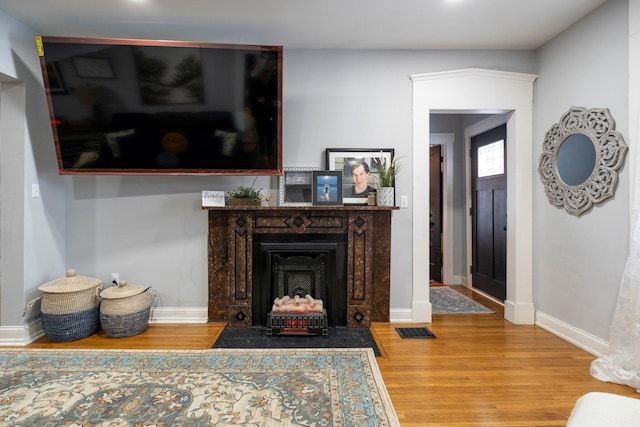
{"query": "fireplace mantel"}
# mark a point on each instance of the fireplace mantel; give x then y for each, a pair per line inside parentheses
(231, 230)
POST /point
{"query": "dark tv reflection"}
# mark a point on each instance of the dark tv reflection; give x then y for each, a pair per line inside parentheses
(155, 107)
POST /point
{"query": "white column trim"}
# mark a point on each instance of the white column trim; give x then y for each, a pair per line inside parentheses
(479, 91)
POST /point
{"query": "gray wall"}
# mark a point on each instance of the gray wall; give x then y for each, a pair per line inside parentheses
(578, 262)
(152, 231)
(32, 244)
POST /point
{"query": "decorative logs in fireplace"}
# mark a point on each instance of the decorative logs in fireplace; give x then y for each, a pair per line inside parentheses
(308, 304)
(233, 283)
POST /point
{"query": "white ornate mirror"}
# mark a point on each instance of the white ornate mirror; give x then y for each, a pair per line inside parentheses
(580, 159)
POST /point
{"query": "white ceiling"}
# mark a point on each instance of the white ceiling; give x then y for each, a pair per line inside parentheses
(331, 24)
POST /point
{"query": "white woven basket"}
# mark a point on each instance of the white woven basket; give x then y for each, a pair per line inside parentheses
(125, 309)
(69, 294)
(69, 308)
(127, 305)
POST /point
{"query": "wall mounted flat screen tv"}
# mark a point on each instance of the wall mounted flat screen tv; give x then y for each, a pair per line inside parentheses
(123, 106)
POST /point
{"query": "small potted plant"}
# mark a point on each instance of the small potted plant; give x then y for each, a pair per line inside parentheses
(246, 196)
(387, 172)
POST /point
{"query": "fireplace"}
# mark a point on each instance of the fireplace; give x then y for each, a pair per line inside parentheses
(291, 264)
(353, 242)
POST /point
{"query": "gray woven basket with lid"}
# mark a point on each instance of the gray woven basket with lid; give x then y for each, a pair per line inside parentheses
(69, 308)
(125, 309)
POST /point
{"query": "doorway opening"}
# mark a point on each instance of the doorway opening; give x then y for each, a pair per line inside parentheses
(450, 178)
(453, 221)
(485, 92)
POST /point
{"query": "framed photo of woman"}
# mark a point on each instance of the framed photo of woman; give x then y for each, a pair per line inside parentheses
(359, 169)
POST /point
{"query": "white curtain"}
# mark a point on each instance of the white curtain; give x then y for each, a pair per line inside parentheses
(622, 365)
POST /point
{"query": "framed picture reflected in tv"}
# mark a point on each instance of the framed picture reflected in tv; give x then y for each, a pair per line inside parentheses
(152, 107)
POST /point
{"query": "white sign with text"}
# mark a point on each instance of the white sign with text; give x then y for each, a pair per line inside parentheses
(212, 198)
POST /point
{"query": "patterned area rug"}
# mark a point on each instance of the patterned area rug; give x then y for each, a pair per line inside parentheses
(445, 300)
(328, 387)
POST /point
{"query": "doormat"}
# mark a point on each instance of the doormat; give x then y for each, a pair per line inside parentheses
(415, 333)
(256, 337)
(445, 300)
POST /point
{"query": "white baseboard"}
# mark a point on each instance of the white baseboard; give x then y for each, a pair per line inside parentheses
(406, 315)
(520, 313)
(400, 315)
(580, 338)
(421, 311)
(20, 336)
(459, 280)
(179, 315)
(12, 336)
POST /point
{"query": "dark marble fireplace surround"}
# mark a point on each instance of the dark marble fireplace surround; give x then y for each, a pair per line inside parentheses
(235, 273)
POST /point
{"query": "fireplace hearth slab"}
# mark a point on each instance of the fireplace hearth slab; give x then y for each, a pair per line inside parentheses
(256, 337)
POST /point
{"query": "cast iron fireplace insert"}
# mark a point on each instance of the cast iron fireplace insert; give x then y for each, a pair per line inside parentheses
(295, 264)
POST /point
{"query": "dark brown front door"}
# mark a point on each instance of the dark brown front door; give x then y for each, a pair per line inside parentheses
(435, 214)
(489, 212)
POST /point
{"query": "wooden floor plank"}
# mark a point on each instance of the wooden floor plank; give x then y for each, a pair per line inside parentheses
(480, 370)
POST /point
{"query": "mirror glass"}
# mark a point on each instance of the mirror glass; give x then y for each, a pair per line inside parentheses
(576, 159)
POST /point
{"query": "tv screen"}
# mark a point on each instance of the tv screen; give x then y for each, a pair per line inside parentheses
(121, 106)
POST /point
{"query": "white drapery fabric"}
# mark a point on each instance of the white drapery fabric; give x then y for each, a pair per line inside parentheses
(622, 364)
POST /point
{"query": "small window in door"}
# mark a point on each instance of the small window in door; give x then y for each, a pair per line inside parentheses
(491, 159)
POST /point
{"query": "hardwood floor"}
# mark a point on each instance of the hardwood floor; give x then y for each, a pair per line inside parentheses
(480, 370)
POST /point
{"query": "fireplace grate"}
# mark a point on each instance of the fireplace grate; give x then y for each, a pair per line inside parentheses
(297, 324)
(299, 275)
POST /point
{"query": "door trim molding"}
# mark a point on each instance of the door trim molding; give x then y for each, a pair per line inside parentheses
(489, 92)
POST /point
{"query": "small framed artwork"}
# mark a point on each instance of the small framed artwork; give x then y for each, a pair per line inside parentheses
(327, 188)
(359, 169)
(97, 68)
(296, 187)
